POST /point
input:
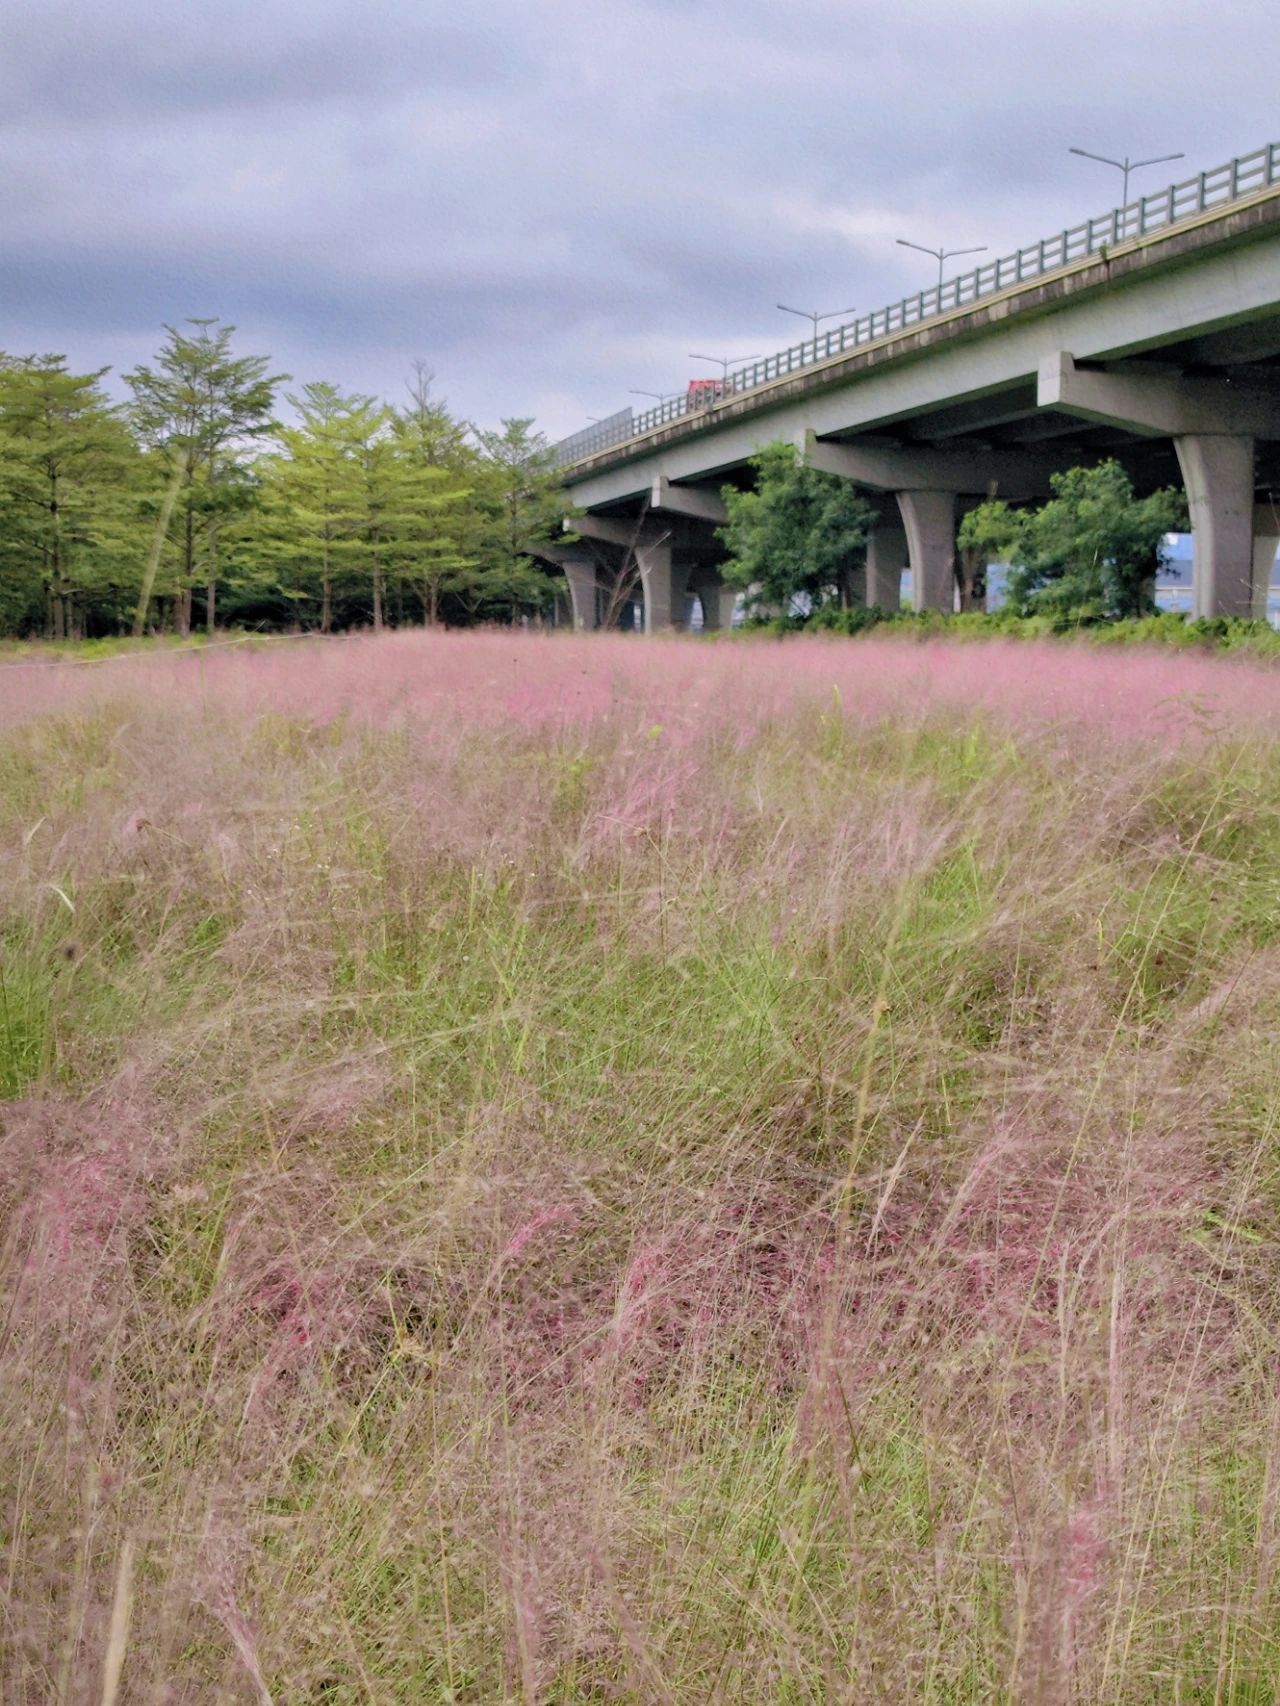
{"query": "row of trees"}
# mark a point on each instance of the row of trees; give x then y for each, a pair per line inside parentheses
(190, 503)
(1090, 553)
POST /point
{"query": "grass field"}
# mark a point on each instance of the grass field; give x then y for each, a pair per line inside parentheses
(558, 1170)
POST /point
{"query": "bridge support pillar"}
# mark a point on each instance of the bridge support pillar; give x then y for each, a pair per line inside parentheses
(1266, 542)
(664, 586)
(1218, 471)
(930, 522)
(718, 602)
(886, 559)
(583, 596)
(853, 585)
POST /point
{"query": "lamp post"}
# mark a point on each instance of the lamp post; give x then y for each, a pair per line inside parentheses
(1126, 165)
(658, 396)
(942, 256)
(723, 362)
(812, 314)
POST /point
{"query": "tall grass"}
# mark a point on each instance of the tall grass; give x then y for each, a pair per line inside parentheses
(572, 1170)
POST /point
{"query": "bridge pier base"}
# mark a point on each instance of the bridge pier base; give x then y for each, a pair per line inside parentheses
(664, 586)
(853, 585)
(1218, 471)
(886, 559)
(930, 522)
(583, 596)
(718, 602)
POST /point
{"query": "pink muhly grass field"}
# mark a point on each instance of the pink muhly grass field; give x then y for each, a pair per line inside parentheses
(561, 1169)
(539, 681)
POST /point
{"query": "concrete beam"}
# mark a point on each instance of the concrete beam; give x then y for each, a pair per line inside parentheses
(976, 418)
(1014, 474)
(1106, 311)
(1161, 404)
(702, 503)
(615, 530)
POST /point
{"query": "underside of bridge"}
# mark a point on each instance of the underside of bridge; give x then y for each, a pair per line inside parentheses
(1165, 357)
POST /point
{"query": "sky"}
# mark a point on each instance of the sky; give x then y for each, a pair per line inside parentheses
(552, 201)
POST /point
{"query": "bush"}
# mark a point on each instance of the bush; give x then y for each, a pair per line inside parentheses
(1167, 628)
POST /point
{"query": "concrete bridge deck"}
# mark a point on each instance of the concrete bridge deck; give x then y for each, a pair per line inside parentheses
(1162, 350)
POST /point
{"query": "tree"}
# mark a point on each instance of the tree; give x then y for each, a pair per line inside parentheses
(1091, 553)
(198, 408)
(66, 504)
(987, 534)
(797, 533)
(526, 508)
(314, 508)
(442, 538)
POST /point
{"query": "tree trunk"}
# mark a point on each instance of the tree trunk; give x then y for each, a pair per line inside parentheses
(377, 594)
(971, 575)
(153, 555)
(211, 596)
(55, 577)
(326, 603)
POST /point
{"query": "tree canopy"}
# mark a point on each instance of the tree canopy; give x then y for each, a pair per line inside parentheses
(206, 495)
(1091, 553)
(798, 534)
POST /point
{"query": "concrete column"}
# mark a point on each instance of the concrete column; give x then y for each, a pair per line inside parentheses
(1218, 471)
(581, 577)
(853, 584)
(886, 559)
(930, 521)
(663, 584)
(1266, 542)
(718, 602)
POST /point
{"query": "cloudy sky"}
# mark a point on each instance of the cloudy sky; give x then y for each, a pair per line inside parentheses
(551, 201)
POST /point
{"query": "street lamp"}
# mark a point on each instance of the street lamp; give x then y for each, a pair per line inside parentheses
(658, 396)
(942, 255)
(724, 363)
(812, 314)
(1126, 165)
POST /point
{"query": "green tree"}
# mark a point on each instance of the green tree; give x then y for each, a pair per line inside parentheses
(525, 507)
(441, 536)
(797, 533)
(989, 533)
(313, 493)
(199, 408)
(68, 514)
(1091, 553)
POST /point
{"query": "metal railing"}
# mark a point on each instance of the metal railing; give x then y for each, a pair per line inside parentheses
(1239, 178)
(611, 429)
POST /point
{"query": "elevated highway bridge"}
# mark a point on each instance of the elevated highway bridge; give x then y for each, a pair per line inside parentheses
(1151, 335)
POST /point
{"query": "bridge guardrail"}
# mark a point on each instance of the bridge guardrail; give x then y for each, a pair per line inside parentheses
(1237, 179)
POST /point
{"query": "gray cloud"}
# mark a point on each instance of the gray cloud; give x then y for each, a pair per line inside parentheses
(552, 202)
